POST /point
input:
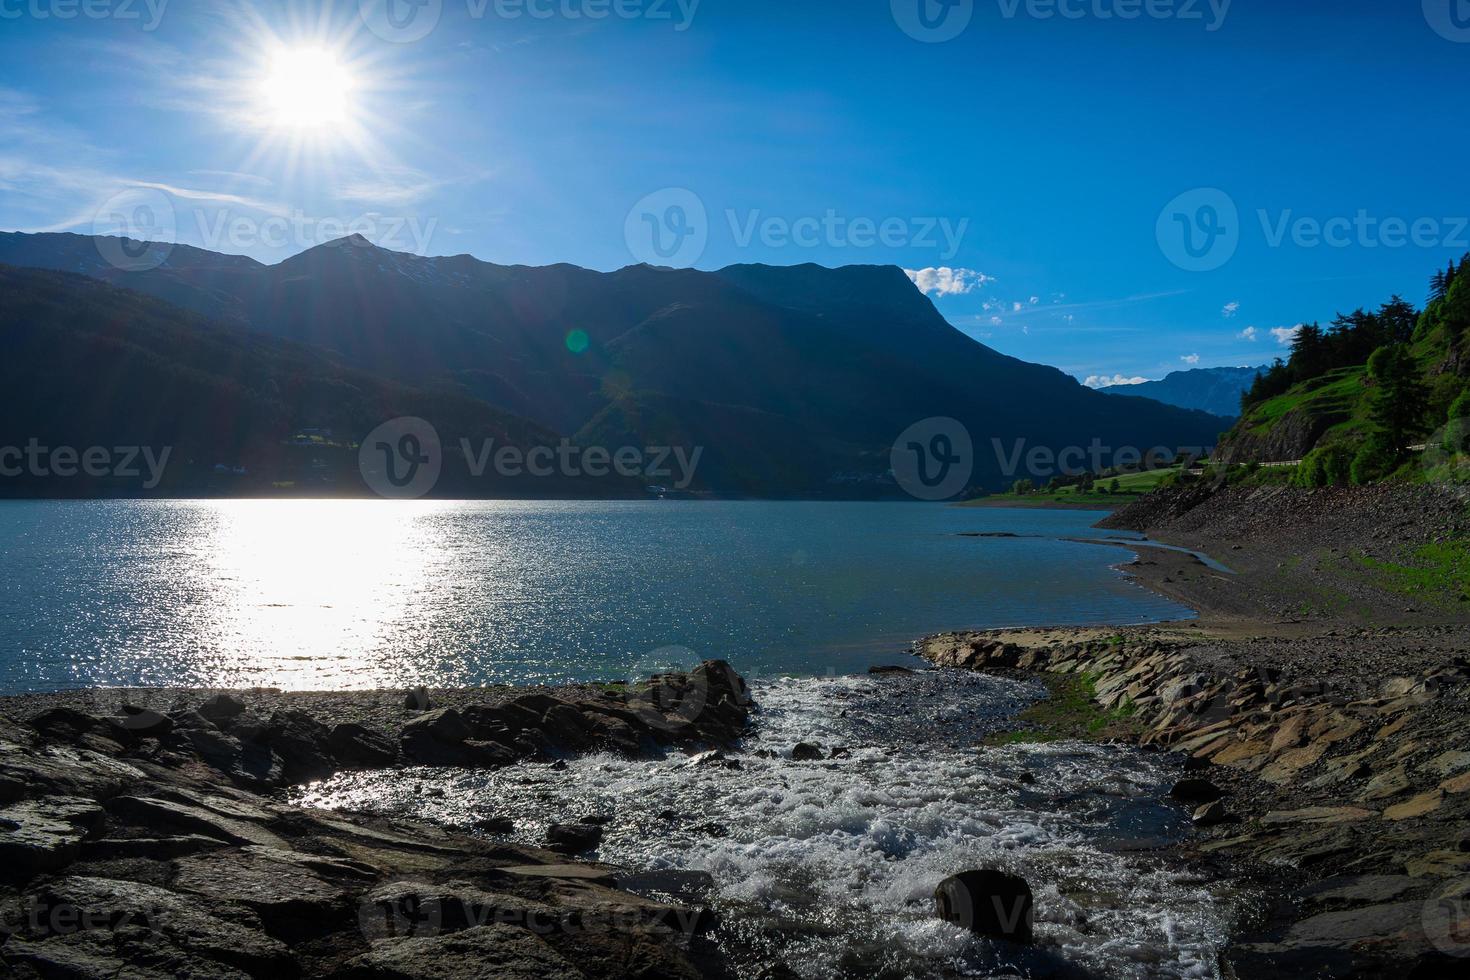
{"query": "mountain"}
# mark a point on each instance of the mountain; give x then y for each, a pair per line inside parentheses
(1213, 390)
(89, 366)
(793, 380)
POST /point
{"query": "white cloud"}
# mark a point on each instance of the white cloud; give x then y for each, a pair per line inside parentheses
(1249, 333)
(1015, 307)
(1285, 335)
(944, 281)
(995, 321)
(1103, 381)
(1230, 310)
(1189, 358)
(1035, 300)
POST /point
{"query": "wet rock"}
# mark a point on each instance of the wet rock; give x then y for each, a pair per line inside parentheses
(806, 752)
(1195, 790)
(566, 727)
(1211, 815)
(573, 838)
(357, 747)
(611, 731)
(44, 835)
(502, 951)
(222, 709)
(1346, 891)
(886, 671)
(495, 825)
(988, 903)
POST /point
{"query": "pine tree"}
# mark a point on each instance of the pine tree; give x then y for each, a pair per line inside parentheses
(1401, 399)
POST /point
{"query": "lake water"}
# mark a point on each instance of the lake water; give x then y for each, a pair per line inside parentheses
(364, 594)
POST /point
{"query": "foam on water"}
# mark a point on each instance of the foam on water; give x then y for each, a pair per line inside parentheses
(830, 866)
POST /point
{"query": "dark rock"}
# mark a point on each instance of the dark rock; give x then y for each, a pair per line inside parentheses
(566, 727)
(96, 924)
(612, 732)
(222, 709)
(79, 728)
(571, 838)
(145, 722)
(301, 743)
(502, 951)
(44, 835)
(988, 903)
(152, 813)
(1195, 791)
(1211, 815)
(495, 825)
(806, 752)
(889, 671)
(417, 700)
(357, 747)
(150, 848)
(442, 724)
(297, 896)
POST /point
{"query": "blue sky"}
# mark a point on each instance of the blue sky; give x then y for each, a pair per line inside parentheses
(1045, 170)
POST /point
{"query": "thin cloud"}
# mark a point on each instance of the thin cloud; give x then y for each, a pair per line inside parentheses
(1116, 381)
(1249, 333)
(1286, 335)
(1189, 358)
(1230, 310)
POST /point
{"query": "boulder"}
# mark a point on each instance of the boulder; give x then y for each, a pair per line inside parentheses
(79, 728)
(222, 709)
(573, 838)
(441, 724)
(988, 903)
(145, 722)
(357, 747)
(1195, 790)
(806, 752)
(1210, 815)
(301, 743)
(417, 700)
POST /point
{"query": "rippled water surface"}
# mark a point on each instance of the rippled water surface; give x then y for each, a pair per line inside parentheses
(829, 867)
(362, 594)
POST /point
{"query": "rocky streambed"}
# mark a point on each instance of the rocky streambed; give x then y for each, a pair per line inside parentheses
(140, 842)
(1332, 767)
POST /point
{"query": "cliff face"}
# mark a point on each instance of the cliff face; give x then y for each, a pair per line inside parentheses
(1291, 438)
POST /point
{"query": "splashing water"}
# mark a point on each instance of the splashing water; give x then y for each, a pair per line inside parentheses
(830, 866)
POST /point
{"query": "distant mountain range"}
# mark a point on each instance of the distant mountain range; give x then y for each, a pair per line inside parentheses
(793, 380)
(1213, 390)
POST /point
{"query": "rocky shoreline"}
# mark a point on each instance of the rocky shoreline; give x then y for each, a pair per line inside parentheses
(1322, 719)
(154, 841)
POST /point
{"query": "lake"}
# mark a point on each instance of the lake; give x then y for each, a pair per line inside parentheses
(364, 594)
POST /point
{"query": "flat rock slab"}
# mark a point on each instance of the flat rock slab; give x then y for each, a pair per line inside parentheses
(1317, 815)
(81, 924)
(44, 835)
(152, 812)
(493, 952)
(581, 872)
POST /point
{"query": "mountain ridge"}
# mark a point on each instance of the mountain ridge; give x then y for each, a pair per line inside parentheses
(847, 358)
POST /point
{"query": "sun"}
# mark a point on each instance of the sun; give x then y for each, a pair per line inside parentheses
(306, 89)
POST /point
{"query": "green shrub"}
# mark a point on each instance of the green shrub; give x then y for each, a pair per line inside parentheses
(1374, 461)
(1327, 466)
(1460, 407)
